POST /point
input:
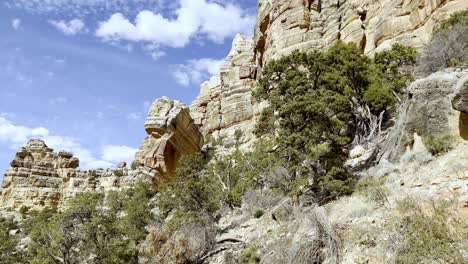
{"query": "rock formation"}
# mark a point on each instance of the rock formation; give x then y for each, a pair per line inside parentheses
(460, 100)
(284, 26)
(428, 111)
(225, 103)
(171, 134)
(39, 177)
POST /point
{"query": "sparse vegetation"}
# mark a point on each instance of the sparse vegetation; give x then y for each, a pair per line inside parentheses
(8, 252)
(94, 229)
(438, 145)
(448, 47)
(249, 256)
(374, 190)
(430, 233)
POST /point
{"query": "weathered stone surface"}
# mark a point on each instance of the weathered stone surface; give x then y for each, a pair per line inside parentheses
(460, 100)
(39, 177)
(225, 103)
(284, 26)
(172, 133)
(428, 112)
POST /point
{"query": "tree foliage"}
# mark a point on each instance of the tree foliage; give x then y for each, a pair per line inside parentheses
(313, 99)
(8, 252)
(93, 229)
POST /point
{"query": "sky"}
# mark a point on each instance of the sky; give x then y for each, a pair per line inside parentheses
(81, 74)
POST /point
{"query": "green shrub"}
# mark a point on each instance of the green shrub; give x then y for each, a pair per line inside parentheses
(107, 228)
(458, 18)
(259, 213)
(237, 172)
(191, 192)
(438, 145)
(249, 256)
(373, 189)
(8, 252)
(430, 234)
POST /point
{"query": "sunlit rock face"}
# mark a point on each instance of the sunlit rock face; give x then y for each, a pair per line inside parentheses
(225, 103)
(39, 177)
(284, 26)
(172, 133)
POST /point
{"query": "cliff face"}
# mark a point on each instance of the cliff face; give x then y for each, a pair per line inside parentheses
(39, 177)
(225, 103)
(284, 26)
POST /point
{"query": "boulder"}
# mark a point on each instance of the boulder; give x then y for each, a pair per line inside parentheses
(460, 100)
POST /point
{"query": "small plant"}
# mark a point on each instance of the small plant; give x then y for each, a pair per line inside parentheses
(430, 234)
(373, 189)
(438, 145)
(238, 134)
(259, 213)
(249, 256)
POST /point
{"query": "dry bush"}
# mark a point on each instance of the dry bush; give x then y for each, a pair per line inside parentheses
(429, 232)
(325, 245)
(448, 48)
(188, 244)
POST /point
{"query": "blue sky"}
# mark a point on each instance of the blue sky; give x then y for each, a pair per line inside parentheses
(81, 74)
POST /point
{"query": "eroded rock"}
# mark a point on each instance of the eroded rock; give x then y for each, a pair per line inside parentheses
(172, 133)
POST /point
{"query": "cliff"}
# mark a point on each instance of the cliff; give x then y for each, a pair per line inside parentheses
(39, 177)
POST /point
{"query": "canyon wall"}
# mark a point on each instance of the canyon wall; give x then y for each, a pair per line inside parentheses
(225, 103)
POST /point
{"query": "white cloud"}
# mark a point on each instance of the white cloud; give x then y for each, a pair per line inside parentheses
(133, 116)
(15, 136)
(195, 71)
(69, 28)
(112, 153)
(193, 18)
(16, 23)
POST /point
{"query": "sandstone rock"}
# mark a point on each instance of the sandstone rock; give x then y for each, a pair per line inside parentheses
(225, 103)
(460, 100)
(40, 178)
(284, 26)
(122, 165)
(172, 133)
(428, 112)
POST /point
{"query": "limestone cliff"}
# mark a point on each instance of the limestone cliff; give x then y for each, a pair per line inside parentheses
(284, 26)
(39, 177)
(225, 103)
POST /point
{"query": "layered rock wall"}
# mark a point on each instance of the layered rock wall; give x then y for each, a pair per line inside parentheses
(225, 103)
(38, 177)
(287, 25)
